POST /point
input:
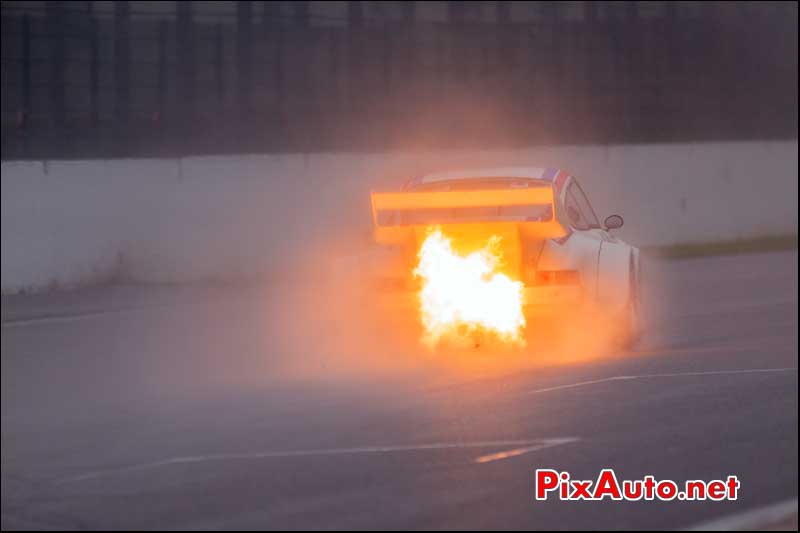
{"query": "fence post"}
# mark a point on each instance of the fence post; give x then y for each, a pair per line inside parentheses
(333, 73)
(388, 57)
(355, 14)
(406, 56)
(389, 95)
(94, 74)
(632, 46)
(25, 67)
(184, 31)
(456, 31)
(456, 12)
(506, 40)
(163, 32)
(301, 14)
(409, 13)
(219, 54)
(55, 29)
(674, 59)
(244, 53)
(274, 35)
(355, 87)
(121, 61)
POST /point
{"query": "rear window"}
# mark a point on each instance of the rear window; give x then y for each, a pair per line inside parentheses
(468, 184)
(460, 215)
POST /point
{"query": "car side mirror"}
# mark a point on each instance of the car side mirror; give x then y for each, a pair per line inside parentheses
(613, 222)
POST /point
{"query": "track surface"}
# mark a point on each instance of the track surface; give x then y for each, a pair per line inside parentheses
(176, 408)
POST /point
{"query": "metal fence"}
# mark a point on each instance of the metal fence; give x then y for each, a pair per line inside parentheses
(77, 84)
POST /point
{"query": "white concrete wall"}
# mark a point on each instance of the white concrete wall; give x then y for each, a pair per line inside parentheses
(68, 223)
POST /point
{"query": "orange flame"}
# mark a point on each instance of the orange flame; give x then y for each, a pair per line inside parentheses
(465, 296)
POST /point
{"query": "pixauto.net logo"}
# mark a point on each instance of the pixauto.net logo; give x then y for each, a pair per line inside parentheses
(606, 486)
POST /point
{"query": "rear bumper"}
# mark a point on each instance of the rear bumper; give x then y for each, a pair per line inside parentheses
(552, 299)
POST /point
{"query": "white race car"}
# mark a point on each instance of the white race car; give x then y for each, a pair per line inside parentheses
(552, 243)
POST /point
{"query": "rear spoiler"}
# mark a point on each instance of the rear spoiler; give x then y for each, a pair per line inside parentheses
(396, 215)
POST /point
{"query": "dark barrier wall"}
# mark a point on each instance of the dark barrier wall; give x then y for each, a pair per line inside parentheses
(100, 79)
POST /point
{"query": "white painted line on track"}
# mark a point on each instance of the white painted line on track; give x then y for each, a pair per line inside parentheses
(54, 319)
(752, 519)
(679, 350)
(522, 446)
(516, 452)
(665, 375)
(11, 322)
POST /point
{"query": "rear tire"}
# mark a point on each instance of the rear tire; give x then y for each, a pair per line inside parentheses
(631, 327)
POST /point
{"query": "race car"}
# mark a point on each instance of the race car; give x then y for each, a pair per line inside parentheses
(552, 243)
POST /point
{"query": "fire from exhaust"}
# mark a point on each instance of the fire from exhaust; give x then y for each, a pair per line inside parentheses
(464, 296)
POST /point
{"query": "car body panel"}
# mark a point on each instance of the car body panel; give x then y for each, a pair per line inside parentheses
(570, 241)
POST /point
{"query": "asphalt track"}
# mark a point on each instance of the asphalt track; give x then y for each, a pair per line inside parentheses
(258, 407)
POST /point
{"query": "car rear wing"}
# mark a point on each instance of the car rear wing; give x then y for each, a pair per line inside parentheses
(397, 216)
